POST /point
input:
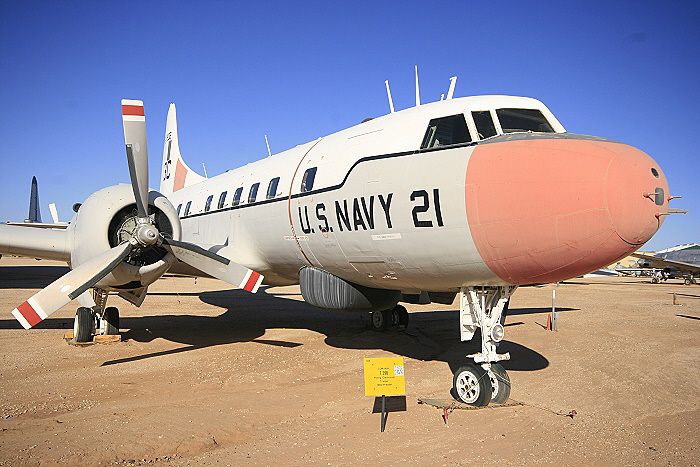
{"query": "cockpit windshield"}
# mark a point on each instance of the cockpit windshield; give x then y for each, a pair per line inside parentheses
(522, 120)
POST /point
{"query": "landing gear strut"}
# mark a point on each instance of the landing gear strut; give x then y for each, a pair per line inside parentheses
(95, 320)
(385, 319)
(486, 380)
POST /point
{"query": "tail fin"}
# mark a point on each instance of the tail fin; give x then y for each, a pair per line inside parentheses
(175, 174)
(34, 209)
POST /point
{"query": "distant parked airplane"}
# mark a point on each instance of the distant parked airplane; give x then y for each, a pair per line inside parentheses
(34, 217)
(683, 262)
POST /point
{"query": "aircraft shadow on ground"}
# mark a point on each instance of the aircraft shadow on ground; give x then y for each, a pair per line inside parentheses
(430, 336)
(30, 277)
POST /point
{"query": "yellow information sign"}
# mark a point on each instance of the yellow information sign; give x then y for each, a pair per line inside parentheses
(384, 377)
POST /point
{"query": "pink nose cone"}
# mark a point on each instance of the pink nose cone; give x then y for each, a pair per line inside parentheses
(636, 193)
(546, 210)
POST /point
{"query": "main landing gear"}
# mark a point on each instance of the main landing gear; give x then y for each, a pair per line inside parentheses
(659, 276)
(96, 320)
(385, 319)
(485, 380)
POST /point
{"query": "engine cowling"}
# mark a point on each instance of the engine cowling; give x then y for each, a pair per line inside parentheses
(106, 219)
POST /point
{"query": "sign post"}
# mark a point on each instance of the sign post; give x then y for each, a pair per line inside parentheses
(384, 377)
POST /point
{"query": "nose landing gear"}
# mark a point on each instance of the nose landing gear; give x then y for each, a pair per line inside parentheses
(486, 380)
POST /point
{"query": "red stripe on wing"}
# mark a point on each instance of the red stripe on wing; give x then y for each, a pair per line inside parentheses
(29, 314)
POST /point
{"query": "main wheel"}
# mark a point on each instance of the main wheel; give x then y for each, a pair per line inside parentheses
(400, 316)
(472, 385)
(500, 384)
(83, 325)
(110, 320)
(381, 320)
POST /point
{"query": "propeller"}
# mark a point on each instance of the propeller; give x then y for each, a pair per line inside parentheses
(134, 120)
(87, 275)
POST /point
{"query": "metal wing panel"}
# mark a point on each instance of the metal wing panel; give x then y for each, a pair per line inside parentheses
(667, 263)
(35, 243)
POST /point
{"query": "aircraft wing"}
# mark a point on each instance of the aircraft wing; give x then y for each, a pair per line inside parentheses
(40, 225)
(661, 263)
(35, 243)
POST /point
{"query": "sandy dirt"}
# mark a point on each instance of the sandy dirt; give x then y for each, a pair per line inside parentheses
(207, 375)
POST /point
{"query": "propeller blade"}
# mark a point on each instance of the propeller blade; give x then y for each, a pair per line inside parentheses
(215, 265)
(69, 286)
(134, 121)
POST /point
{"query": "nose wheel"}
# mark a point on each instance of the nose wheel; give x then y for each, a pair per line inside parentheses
(472, 385)
(485, 380)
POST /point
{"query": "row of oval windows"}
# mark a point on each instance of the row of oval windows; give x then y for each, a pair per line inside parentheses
(307, 184)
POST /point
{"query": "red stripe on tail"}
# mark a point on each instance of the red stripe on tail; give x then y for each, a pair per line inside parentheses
(133, 110)
(252, 280)
(29, 314)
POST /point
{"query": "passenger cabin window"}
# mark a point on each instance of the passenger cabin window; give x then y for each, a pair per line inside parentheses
(237, 196)
(307, 183)
(272, 188)
(253, 192)
(222, 200)
(484, 124)
(522, 120)
(179, 206)
(207, 205)
(446, 131)
(187, 208)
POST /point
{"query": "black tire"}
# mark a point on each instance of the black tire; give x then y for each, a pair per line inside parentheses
(83, 325)
(111, 321)
(500, 384)
(381, 320)
(654, 280)
(401, 316)
(471, 384)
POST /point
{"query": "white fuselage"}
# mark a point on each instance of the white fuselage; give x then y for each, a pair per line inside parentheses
(380, 212)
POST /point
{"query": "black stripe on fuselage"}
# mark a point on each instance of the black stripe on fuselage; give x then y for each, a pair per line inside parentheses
(495, 139)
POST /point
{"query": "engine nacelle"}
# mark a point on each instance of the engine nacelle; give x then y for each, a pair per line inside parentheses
(326, 291)
(107, 219)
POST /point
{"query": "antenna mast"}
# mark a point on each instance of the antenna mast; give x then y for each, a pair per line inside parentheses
(417, 89)
(453, 82)
(267, 143)
(388, 93)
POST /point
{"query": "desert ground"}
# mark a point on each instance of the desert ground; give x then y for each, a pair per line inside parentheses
(209, 375)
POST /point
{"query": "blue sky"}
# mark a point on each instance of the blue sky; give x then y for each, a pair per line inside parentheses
(295, 71)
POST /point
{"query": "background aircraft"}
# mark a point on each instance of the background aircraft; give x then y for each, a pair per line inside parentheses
(34, 217)
(681, 261)
(472, 196)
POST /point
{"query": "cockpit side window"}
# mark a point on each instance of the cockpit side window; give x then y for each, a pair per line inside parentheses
(522, 120)
(484, 124)
(446, 131)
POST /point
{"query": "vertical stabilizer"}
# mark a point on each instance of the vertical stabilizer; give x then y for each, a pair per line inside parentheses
(175, 174)
(34, 209)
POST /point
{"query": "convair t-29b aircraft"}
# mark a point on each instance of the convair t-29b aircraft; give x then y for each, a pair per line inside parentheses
(472, 196)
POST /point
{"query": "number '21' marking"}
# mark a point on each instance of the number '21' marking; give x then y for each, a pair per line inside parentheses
(425, 207)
